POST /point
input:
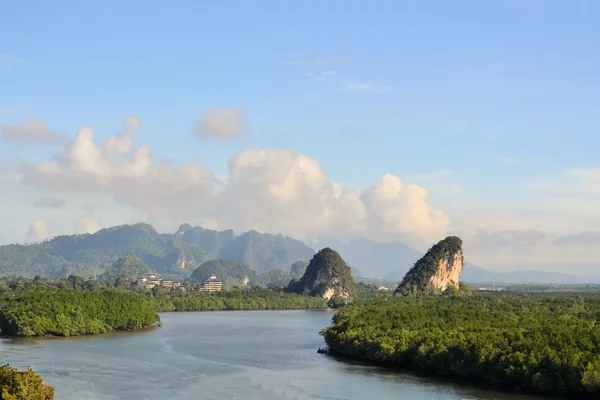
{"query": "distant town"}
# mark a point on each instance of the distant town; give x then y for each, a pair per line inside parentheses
(149, 281)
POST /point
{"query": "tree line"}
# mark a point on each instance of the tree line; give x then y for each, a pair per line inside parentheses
(534, 342)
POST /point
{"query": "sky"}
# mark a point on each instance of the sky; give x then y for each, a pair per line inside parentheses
(390, 120)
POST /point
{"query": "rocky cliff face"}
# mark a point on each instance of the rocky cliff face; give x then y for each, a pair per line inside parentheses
(329, 277)
(439, 269)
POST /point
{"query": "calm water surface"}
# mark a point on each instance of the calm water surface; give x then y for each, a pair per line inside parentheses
(248, 355)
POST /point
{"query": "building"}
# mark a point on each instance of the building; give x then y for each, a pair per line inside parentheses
(170, 284)
(151, 280)
(382, 289)
(212, 284)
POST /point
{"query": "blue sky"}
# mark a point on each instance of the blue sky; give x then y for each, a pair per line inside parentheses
(504, 95)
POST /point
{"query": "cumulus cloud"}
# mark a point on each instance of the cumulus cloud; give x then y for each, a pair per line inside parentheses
(88, 223)
(49, 202)
(34, 130)
(39, 231)
(123, 171)
(221, 123)
(396, 208)
(270, 190)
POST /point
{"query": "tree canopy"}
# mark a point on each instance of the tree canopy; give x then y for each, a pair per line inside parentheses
(540, 343)
(40, 312)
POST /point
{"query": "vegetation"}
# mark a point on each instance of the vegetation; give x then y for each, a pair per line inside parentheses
(186, 299)
(327, 270)
(535, 342)
(298, 269)
(229, 272)
(170, 254)
(125, 269)
(418, 277)
(251, 299)
(23, 385)
(233, 275)
(40, 312)
(264, 252)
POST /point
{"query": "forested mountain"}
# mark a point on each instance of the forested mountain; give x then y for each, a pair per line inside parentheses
(175, 254)
(178, 254)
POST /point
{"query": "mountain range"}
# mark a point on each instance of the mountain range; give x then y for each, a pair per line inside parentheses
(179, 253)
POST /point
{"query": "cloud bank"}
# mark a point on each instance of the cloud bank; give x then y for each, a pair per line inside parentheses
(271, 190)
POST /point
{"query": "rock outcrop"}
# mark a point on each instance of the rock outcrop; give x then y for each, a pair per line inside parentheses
(439, 269)
(329, 277)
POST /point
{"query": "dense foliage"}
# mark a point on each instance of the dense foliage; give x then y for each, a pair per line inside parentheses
(540, 343)
(126, 269)
(298, 269)
(229, 272)
(23, 385)
(417, 278)
(186, 299)
(250, 299)
(233, 274)
(39, 312)
(326, 270)
(172, 254)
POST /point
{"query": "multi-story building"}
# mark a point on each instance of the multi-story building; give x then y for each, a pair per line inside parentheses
(212, 284)
(170, 284)
(151, 280)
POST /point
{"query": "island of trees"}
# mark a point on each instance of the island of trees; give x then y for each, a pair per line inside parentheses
(539, 343)
(23, 385)
(38, 312)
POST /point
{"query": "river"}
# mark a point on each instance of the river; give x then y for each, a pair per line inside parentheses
(245, 355)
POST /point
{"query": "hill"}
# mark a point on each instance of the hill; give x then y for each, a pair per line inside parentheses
(176, 254)
(440, 268)
(327, 276)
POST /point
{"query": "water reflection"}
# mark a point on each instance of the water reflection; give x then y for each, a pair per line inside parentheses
(221, 355)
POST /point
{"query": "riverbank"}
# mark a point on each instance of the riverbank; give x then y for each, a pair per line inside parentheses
(536, 344)
(38, 312)
(243, 355)
(240, 300)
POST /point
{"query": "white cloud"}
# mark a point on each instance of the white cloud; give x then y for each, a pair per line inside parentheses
(365, 87)
(269, 190)
(88, 223)
(275, 190)
(34, 130)
(396, 208)
(221, 123)
(39, 231)
(125, 172)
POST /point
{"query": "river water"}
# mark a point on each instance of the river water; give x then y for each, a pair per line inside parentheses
(246, 355)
